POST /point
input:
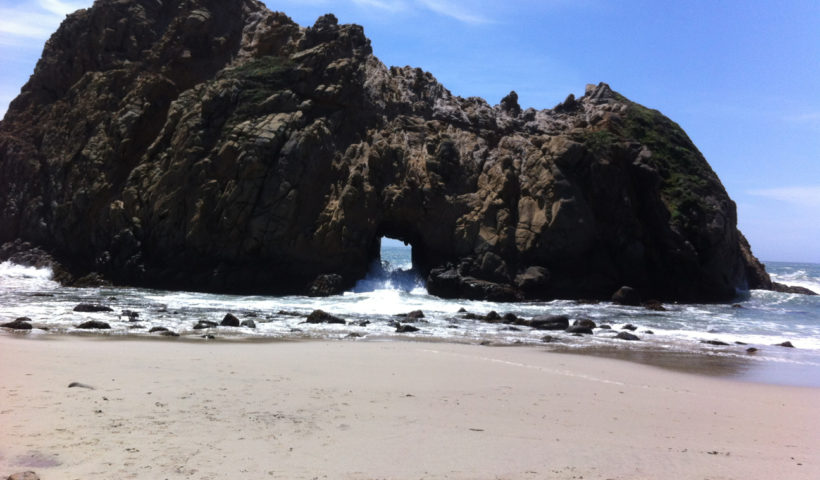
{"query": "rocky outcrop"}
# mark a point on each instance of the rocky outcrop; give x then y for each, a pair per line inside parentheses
(216, 145)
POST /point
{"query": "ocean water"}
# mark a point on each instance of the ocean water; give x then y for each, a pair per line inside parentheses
(760, 321)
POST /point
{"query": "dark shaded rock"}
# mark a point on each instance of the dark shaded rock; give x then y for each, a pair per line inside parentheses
(605, 326)
(510, 318)
(289, 314)
(354, 335)
(786, 344)
(738, 342)
(202, 324)
(714, 342)
(626, 296)
(91, 280)
(472, 316)
(208, 337)
(94, 325)
(248, 324)
(737, 305)
(533, 281)
(320, 316)
(462, 310)
(229, 320)
(578, 329)
(629, 327)
(415, 314)
(216, 145)
(449, 283)
(751, 350)
(326, 285)
(584, 322)
(92, 307)
(131, 315)
(549, 322)
(21, 323)
(627, 336)
(654, 305)
(510, 329)
(24, 476)
(782, 288)
(362, 323)
(169, 333)
(402, 328)
(547, 338)
(157, 329)
(649, 332)
(492, 316)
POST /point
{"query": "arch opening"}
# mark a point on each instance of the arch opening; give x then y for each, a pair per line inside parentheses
(393, 268)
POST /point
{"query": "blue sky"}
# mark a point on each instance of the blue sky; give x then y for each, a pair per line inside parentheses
(741, 77)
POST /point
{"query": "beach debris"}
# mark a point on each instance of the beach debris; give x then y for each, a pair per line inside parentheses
(320, 316)
(80, 385)
(229, 320)
(786, 344)
(94, 325)
(24, 476)
(626, 296)
(92, 307)
(629, 327)
(21, 323)
(202, 324)
(248, 324)
(627, 336)
(401, 328)
(208, 337)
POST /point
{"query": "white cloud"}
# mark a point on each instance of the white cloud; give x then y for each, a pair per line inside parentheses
(454, 10)
(808, 196)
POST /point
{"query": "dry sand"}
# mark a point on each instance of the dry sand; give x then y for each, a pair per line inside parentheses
(392, 410)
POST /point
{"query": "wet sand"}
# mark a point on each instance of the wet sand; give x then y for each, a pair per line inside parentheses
(397, 410)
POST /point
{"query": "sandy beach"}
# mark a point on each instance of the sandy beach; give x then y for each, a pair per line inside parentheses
(384, 410)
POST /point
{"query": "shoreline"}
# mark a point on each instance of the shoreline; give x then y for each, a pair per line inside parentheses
(384, 409)
(750, 369)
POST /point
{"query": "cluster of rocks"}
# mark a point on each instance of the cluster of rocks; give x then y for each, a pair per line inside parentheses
(216, 145)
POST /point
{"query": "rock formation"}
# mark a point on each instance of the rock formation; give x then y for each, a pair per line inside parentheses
(216, 145)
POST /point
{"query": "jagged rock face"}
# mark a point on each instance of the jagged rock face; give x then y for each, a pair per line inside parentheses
(214, 144)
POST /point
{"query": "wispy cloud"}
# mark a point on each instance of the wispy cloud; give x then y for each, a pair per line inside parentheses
(34, 19)
(387, 5)
(808, 196)
(811, 117)
(455, 10)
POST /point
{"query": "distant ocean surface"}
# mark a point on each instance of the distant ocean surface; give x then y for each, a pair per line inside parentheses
(763, 320)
